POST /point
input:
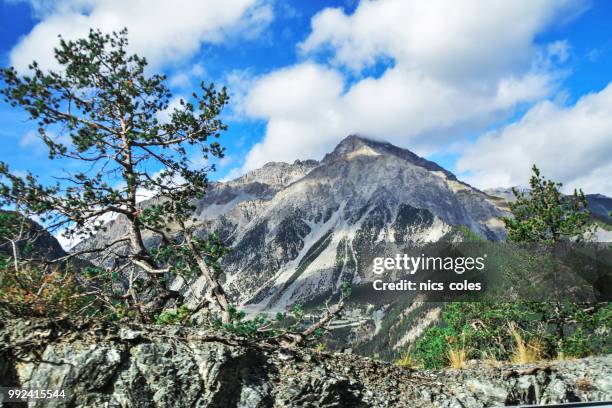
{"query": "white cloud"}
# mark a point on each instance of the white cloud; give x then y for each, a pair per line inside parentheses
(165, 115)
(307, 111)
(31, 139)
(457, 39)
(185, 78)
(300, 104)
(559, 50)
(455, 68)
(238, 82)
(294, 92)
(225, 161)
(594, 55)
(571, 144)
(162, 31)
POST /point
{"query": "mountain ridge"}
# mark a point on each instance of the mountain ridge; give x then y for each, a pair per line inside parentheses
(352, 143)
(298, 230)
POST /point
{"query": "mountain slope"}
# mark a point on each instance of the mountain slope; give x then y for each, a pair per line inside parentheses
(42, 245)
(363, 200)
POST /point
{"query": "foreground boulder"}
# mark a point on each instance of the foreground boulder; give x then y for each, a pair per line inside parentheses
(165, 366)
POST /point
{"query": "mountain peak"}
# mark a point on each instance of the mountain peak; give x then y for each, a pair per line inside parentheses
(355, 145)
(352, 143)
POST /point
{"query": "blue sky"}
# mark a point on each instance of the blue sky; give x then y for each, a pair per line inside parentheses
(485, 88)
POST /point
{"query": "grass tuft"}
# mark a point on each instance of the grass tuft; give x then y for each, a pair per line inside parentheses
(457, 357)
(524, 352)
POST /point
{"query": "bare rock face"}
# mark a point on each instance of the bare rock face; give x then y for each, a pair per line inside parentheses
(137, 366)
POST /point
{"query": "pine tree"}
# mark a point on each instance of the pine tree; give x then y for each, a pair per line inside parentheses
(106, 108)
(545, 215)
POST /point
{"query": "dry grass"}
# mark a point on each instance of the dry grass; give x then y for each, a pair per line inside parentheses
(561, 356)
(524, 352)
(491, 361)
(457, 357)
(407, 361)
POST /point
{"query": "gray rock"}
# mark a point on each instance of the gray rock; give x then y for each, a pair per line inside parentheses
(100, 366)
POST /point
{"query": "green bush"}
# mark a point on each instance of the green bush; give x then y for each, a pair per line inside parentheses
(483, 328)
(591, 334)
(174, 316)
(431, 349)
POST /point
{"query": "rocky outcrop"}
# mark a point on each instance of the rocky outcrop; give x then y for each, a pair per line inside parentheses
(133, 366)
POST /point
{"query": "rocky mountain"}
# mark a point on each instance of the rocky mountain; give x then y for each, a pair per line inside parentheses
(41, 244)
(300, 235)
(599, 205)
(260, 184)
(297, 231)
(106, 365)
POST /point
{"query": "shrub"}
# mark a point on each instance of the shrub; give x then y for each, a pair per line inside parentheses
(519, 331)
(407, 360)
(30, 291)
(432, 349)
(179, 315)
